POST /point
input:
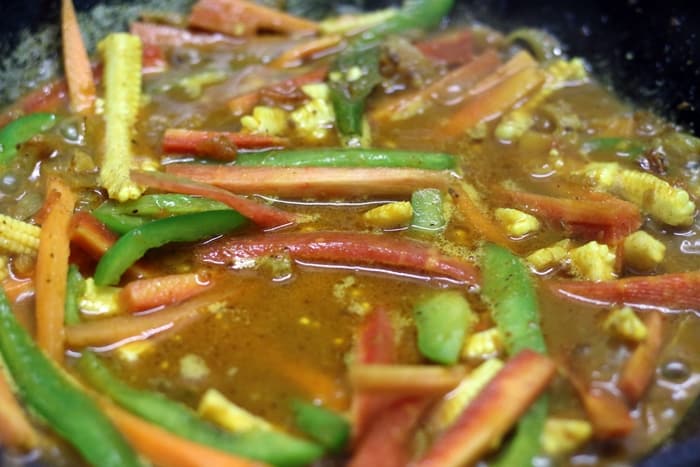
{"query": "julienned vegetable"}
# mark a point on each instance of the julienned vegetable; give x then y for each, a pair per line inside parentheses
(268, 446)
(328, 428)
(48, 392)
(21, 130)
(349, 157)
(185, 228)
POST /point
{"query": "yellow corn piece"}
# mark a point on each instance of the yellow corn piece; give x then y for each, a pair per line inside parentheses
(517, 122)
(102, 300)
(216, 408)
(483, 344)
(550, 256)
(517, 223)
(642, 251)
(625, 324)
(449, 408)
(390, 215)
(17, 236)
(562, 436)
(593, 261)
(121, 53)
(132, 351)
(658, 198)
(265, 120)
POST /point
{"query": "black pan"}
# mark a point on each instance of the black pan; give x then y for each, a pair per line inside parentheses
(647, 50)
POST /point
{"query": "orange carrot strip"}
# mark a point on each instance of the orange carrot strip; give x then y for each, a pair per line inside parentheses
(452, 48)
(474, 218)
(15, 288)
(462, 78)
(638, 371)
(344, 247)
(607, 413)
(492, 96)
(388, 440)
(170, 36)
(52, 267)
(149, 293)
(677, 291)
(166, 449)
(493, 412)
(15, 429)
(261, 214)
(81, 83)
(308, 50)
(316, 182)
(102, 332)
(604, 218)
(242, 18)
(220, 145)
(405, 379)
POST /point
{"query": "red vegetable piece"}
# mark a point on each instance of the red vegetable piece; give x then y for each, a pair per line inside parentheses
(638, 370)
(452, 48)
(221, 145)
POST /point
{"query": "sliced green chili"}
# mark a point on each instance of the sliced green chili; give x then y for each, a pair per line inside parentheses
(267, 446)
(626, 146)
(21, 130)
(328, 428)
(427, 210)
(74, 290)
(509, 288)
(122, 217)
(46, 391)
(186, 228)
(442, 321)
(348, 157)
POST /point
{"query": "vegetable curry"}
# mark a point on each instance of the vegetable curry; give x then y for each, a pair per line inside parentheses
(240, 236)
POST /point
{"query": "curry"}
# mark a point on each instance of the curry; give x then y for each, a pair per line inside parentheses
(240, 236)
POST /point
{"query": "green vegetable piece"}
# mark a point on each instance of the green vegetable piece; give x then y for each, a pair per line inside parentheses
(186, 228)
(442, 321)
(348, 157)
(329, 429)
(427, 210)
(414, 14)
(74, 290)
(542, 44)
(22, 130)
(507, 285)
(47, 392)
(267, 446)
(122, 217)
(625, 146)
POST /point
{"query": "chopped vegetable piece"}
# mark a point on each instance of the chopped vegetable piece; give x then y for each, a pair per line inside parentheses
(541, 43)
(551, 256)
(266, 446)
(216, 407)
(21, 130)
(269, 121)
(517, 223)
(607, 413)
(18, 237)
(149, 293)
(16, 432)
(492, 413)
(309, 50)
(442, 321)
(427, 211)
(356, 248)
(49, 393)
(593, 261)
(184, 228)
(626, 146)
(562, 436)
(329, 429)
(76, 63)
(473, 216)
(642, 251)
(121, 53)
(452, 48)
(389, 215)
(625, 324)
(483, 345)
(220, 145)
(307, 182)
(101, 300)
(352, 24)
(638, 371)
(75, 287)
(404, 380)
(349, 157)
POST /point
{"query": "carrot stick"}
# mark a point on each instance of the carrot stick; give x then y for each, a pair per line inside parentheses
(14, 288)
(242, 18)
(495, 94)
(165, 449)
(604, 218)
(52, 267)
(317, 182)
(676, 291)
(308, 50)
(92, 237)
(452, 48)
(387, 441)
(493, 412)
(405, 379)
(145, 294)
(102, 332)
(15, 429)
(638, 371)
(220, 145)
(261, 214)
(170, 36)
(463, 78)
(81, 83)
(474, 218)
(344, 247)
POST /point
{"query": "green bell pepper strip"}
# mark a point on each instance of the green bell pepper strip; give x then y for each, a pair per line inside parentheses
(122, 217)
(75, 287)
(267, 446)
(186, 228)
(628, 146)
(427, 211)
(47, 392)
(348, 157)
(329, 429)
(508, 287)
(414, 14)
(21, 130)
(442, 321)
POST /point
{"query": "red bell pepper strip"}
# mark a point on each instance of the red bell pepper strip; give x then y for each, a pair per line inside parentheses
(346, 247)
(452, 48)
(220, 145)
